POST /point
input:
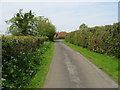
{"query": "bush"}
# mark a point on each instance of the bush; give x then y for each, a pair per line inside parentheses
(56, 38)
(18, 59)
(102, 39)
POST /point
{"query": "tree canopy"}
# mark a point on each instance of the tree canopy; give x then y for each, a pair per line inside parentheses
(82, 26)
(26, 24)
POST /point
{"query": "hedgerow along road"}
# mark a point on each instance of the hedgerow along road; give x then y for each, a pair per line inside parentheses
(69, 69)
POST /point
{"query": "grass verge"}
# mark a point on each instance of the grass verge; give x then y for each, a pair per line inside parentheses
(108, 64)
(38, 80)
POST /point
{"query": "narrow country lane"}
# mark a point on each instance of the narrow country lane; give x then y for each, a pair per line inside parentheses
(69, 69)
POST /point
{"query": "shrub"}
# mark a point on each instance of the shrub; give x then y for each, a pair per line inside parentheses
(56, 38)
(18, 62)
(100, 39)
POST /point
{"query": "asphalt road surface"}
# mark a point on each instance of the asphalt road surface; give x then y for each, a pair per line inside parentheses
(69, 69)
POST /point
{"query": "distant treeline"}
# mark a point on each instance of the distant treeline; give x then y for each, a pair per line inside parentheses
(100, 39)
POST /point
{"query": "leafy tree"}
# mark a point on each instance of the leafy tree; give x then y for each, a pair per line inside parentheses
(22, 24)
(45, 27)
(82, 26)
(26, 24)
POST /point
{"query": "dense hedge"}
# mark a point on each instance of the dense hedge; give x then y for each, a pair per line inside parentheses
(100, 39)
(19, 64)
(56, 38)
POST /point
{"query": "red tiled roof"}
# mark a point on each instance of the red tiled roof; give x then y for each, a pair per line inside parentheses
(62, 34)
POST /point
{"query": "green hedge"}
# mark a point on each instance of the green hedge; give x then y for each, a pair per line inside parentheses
(100, 39)
(18, 62)
(56, 38)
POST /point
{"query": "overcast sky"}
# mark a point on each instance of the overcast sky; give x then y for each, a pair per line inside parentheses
(66, 16)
